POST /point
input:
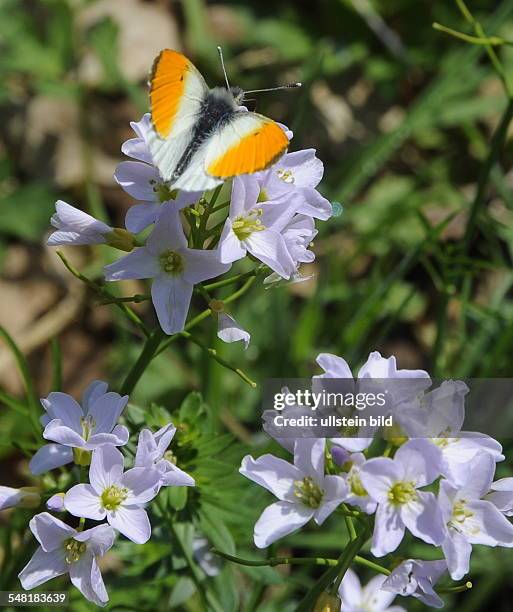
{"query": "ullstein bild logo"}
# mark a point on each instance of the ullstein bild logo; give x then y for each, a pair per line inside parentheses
(384, 408)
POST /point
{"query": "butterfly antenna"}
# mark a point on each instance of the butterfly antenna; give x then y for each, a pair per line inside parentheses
(220, 51)
(288, 86)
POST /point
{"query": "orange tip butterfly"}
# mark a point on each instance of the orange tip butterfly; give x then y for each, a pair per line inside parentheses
(201, 137)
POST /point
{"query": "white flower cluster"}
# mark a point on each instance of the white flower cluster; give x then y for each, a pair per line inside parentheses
(270, 217)
(88, 434)
(438, 486)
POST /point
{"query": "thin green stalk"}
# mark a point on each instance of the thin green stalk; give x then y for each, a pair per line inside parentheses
(56, 365)
(233, 279)
(492, 40)
(149, 350)
(274, 561)
(211, 352)
(13, 403)
(136, 299)
(129, 313)
(26, 378)
(349, 524)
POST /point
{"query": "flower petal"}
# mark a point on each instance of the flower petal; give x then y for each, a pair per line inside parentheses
(106, 411)
(49, 531)
(143, 484)
(424, 518)
(134, 178)
(202, 265)
(57, 432)
(132, 522)
(378, 476)
(274, 474)
(309, 457)
(333, 366)
(457, 551)
(350, 590)
(278, 520)
(230, 247)
(388, 530)
(106, 468)
(228, 330)
(168, 231)
(49, 457)
(171, 297)
(140, 263)
(118, 437)
(269, 246)
(173, 476)
(82, 500)
(99, 539)
(92, 393)
(140, 216)
(63, 407)
(85, 575)
(335, 492)
(43, 567)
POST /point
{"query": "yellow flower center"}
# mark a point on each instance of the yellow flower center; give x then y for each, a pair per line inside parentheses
(88, 424)
(286, 175)
(356, 486)
(113, 496)
(244, 226)
(308, 492)
(459, 513)
(172, 262)
(73, 550)
(402, 493)
(163, 192)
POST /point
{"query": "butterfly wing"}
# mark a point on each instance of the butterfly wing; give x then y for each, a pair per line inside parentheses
(247, 143)
(177, 92)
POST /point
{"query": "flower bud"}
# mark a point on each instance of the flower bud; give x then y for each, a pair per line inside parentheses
(56, 503)
(24, 497)
(327, 603)
(121, 239)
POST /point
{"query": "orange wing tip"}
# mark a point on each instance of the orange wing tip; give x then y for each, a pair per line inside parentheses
(236, 160)
(167, 85)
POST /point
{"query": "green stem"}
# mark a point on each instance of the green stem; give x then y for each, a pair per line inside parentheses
(211, 352)
(349, 524)
(129, 313)
(497, 144)
(492, 40)
(26, 378)
(233, 279)
(274, 561)
(137, 299)
(149, 351)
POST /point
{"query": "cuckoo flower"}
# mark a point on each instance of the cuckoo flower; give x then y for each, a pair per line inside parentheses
(24, 497)
(304, 492)
(370, 598)
(228, 330)
(416, 578)
(141, 180)
(256, 227)
(438, 416)
(73, 226)
(378, 374)
(64, 550)
(358, 496)
(501, 495)
(152, 453)
(298, 235)
(296, 174)
(76, 430)
(394, 484)
(470, 519)
(119, 497)
(174, 268)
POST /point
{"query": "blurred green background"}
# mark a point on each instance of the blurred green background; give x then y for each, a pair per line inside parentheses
(402, 117)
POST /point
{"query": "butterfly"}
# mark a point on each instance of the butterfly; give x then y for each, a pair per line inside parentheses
(201, 137)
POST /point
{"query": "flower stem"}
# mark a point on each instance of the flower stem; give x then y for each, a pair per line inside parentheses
(149, 351)
(128, 312)
(273, 561)
(495, 41)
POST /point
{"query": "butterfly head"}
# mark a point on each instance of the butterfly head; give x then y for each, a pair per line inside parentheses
(238, 95)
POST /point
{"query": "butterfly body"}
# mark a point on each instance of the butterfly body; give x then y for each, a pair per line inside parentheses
(201, 136)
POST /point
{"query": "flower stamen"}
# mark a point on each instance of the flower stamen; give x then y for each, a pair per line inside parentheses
(308, 492)
(244, 226)
(171, 262)
(113, 496)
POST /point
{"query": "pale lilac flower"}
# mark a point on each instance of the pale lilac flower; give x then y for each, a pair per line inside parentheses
(377, 375)
(303, 490)
(501, 495)
(174, 268)
(358, 496)
(298, 235)
(296, 174)
(74, 226)
(370, 598)
(438, 416)
(394, 484)
(76, 429)
(256, 227)
(143, 181)
(64, 550)
(152, 453)
(416, 578)
(56, 503)
(228, 330)
(471, 519)
(24, 497)
(204, 557)
(119, 497)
